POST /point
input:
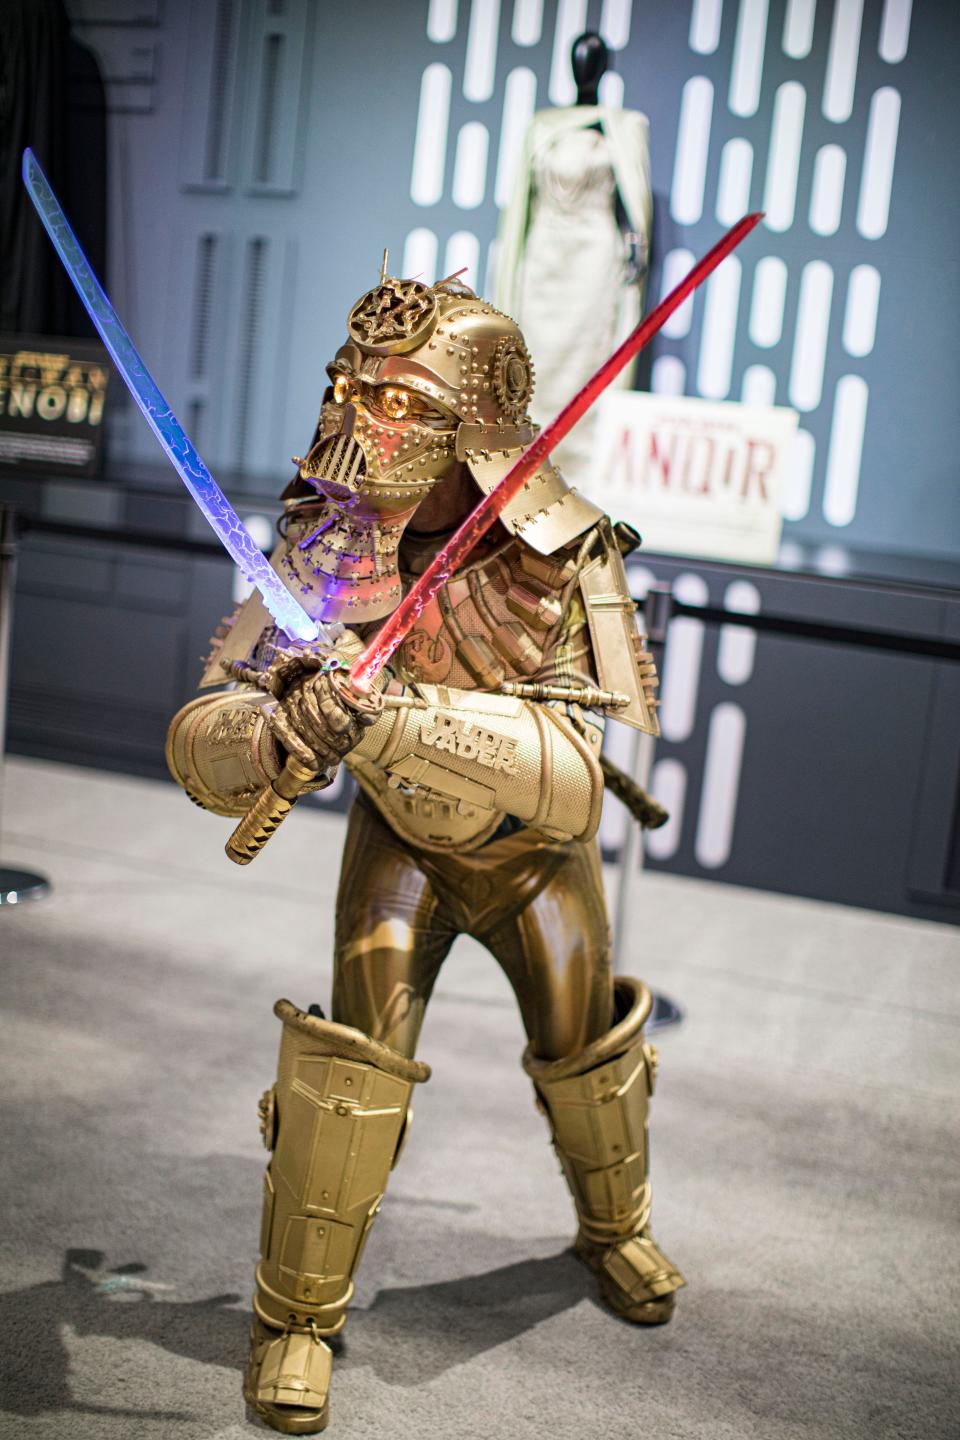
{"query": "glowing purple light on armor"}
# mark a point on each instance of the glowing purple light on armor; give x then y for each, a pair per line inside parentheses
(216, 508)
(394, 630)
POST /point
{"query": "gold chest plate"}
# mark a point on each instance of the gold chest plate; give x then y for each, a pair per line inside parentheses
(505, 617)
(499, 619)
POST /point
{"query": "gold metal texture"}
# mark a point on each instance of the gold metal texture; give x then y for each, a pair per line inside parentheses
(287, 1379)
(536, 904)
(480, 756)
(269, 810)
(336, 1117)
(238, 636)
(622, 662)
(396, 315)
(547, 513)
(597, 1105)
(221, 751)
(427, 377)
(429, 852)
(475, 634)
(369, 472)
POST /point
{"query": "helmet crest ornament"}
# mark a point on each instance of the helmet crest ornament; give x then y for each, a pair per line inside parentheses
(396, 316)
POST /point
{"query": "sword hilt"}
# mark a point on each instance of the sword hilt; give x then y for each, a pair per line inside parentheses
(268, 811)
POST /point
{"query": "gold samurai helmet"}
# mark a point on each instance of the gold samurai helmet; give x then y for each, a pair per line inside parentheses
(429, 376)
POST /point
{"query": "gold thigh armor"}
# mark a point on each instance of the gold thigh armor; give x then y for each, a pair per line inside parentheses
(536, 904)
(597, 1103)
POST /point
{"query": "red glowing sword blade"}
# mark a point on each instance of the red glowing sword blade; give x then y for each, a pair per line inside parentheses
(395, 629)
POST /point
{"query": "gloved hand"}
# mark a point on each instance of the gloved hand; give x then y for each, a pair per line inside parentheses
(318, 717)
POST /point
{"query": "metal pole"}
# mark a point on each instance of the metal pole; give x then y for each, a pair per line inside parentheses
(16, 885)
(656, 618)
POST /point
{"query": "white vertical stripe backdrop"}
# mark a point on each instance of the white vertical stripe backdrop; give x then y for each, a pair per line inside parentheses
(619, 745)
(759, 386)
(463, 253)
(737, 646)
(798, 28)
(668, 376)
(615, 22)
(895, 30)
(470, 165)
(826, 197)
(668, 785)
(519, 101)
(693, 144)
(747, 69)
(876, 179)
(842, 59)
(721, 784)
(783, 159)
(682, 663)
(430, 146)
(490, 272)
(676, 264)
(769, 298)
(733, 189)
(719, 332)
(860, 315)
(420, 256)
(834, 559)
(571, 22)
(611, 90)
(527, 22)
(705, 18)
(483, 36)
(795, 501)
(846, 448)
(810, 338)
(442, 21)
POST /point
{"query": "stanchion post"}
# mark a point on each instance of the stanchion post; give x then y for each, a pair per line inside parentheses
(16, 885)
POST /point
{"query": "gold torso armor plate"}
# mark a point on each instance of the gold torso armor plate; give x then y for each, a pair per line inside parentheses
(511, 614)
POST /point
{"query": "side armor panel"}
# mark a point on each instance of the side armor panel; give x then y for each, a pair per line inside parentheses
(621, 661)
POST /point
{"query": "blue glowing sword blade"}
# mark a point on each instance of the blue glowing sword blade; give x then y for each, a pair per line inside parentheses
(216, 508)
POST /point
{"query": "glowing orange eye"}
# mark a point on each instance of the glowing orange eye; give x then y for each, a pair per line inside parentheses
(341, 390)
(395, 402)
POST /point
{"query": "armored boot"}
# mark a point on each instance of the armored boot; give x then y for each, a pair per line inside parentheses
(335, 1121)
(597, 1104)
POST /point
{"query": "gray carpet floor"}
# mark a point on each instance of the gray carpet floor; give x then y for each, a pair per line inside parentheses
(804, 1142)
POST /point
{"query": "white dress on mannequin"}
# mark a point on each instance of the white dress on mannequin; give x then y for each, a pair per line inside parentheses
(565, 271)
(564, 265)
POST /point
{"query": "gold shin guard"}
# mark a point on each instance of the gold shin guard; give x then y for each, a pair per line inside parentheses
(597, 1103)
(335, 1121)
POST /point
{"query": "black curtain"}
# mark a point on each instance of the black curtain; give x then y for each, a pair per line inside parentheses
(52, 99)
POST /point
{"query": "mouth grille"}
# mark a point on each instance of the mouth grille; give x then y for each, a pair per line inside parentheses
(337, 462)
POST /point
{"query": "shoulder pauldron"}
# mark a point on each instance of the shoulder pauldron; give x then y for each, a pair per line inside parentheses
(621, 659)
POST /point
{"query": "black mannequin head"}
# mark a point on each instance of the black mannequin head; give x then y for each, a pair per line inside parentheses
(590, 59)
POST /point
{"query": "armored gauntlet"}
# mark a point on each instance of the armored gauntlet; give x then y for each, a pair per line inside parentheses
(483, 756)
(221, 749)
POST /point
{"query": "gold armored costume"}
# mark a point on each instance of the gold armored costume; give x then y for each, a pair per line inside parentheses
(480, 786)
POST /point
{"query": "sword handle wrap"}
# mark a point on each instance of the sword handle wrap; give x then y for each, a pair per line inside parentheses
(268, 811)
